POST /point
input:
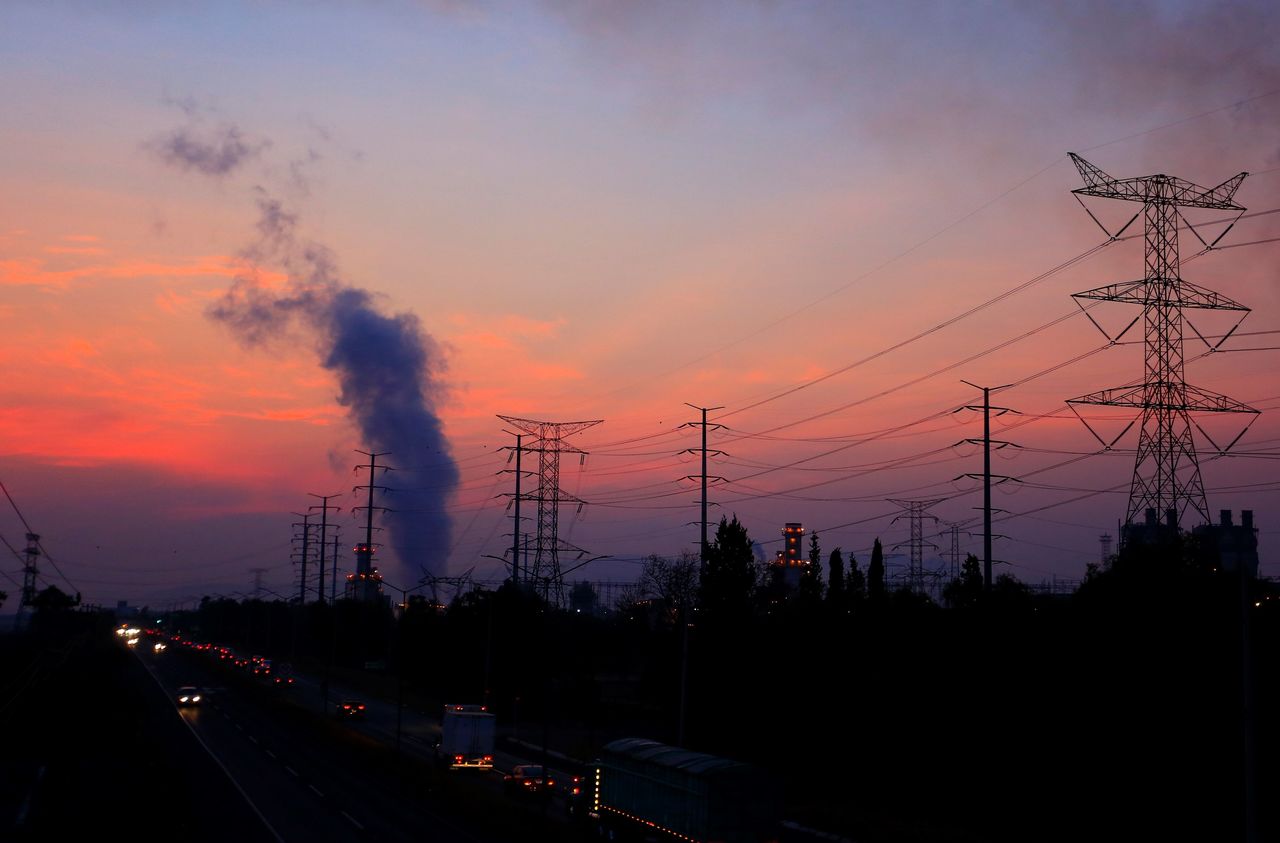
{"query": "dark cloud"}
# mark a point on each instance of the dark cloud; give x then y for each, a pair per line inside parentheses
(388, 369)
(915, 77)
(217, 151)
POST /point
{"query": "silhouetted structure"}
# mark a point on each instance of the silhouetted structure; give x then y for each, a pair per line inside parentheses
(546, 574)
(1236, 545)
(1165, 443)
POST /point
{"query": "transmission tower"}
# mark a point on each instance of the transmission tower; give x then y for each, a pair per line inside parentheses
(986, 476)
(257, 582)
(703, 477)
(365, 582)
(1165, 444)
(549, 445)
(302, 536)
(954, 553)
(324, 508)
(516, 498)
(915, 512)
(29, 573)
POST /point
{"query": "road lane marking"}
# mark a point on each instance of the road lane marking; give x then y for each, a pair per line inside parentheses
(352, 820)
(267, 825)
(316, 791)
(270, 753)
(252, 739)
(290, 771)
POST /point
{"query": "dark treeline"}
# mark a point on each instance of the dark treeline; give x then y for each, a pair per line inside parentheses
(1115, 713)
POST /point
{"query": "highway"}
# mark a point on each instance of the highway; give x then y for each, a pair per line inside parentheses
(306, 782)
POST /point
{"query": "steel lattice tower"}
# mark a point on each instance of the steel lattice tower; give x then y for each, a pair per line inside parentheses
(916, 515)
(1165, 443)
(550, 444)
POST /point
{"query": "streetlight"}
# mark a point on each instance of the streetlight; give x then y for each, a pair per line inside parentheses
(404, 608)
(501, 559)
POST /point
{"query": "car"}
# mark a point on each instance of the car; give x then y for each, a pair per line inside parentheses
(350, 709)
(189, 695)
(528, 779)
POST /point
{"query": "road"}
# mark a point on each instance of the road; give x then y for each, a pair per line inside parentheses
(306, 780)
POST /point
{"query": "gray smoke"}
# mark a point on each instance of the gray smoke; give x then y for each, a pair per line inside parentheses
(388, 369)
(217, 151)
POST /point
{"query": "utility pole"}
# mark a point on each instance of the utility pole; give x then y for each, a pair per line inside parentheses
(702, 553)
(323, 506)
(364, 552)
(305, 538)
(517, 452)
(29, 573)
(986, 443)
(333, 581)
(1166, 447)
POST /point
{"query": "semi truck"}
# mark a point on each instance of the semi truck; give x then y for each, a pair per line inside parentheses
(639, 786)
(467, 737)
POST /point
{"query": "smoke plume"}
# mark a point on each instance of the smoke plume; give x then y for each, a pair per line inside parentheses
(387, 367)
(217, 152)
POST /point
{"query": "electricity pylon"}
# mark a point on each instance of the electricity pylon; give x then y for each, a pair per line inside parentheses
(549, 445)
(1165, 444)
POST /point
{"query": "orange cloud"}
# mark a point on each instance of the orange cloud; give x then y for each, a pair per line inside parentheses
(34, 272)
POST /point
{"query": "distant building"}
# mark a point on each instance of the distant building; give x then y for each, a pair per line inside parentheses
(789, 566)
(1237, 546)
(365, 584)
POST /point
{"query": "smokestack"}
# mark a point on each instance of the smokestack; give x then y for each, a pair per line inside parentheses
(1171, 518)
(1151, 517)
(1246, 518)
(1224, 517)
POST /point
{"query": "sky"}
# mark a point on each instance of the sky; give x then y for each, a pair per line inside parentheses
(242, 242)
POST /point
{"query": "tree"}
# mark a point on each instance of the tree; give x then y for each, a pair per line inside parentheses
(583, 598)
(53, 599)
(835, 579)
(811, 579)
(672, 584)
(729, 578)
(855, 584)
(966, 589)
(875, 572)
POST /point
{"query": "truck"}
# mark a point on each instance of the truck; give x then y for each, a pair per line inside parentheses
(467, 737)
(638, 786)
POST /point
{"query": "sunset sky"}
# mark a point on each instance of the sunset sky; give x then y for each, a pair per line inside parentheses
(603, 211)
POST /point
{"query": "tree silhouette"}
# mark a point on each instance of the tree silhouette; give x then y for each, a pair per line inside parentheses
(855, 584)
(729, 577)
(875, 573)
(811, 579)
(835, 579)
(966, 589)
(53, 599)
(672, 584)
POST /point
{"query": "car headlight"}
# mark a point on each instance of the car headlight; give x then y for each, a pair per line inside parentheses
(196, 698)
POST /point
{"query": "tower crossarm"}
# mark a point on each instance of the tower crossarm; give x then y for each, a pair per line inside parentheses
(1182, 294)
(1139, 396)
(1158, 189)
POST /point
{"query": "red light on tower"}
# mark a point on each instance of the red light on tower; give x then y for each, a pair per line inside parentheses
(793, 533)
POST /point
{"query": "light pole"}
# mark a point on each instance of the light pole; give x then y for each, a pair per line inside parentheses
(399, 639)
